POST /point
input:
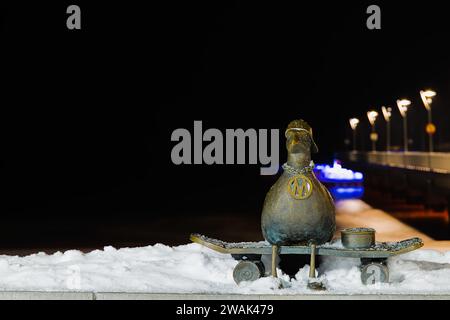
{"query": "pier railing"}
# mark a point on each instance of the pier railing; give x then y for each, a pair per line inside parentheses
(421, 161)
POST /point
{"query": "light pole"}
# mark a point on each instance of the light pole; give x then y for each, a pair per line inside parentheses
(427, 98)
(372, 116)
(354, 124)
(403, 108)
(387, 113)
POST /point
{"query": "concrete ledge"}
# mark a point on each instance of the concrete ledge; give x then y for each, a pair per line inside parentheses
(38, 295)
(231, 297)
(41, 295)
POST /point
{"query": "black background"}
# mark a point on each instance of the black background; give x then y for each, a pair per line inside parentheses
(87, 115)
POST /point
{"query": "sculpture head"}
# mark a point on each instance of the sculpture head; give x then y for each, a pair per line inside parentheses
(299, 138)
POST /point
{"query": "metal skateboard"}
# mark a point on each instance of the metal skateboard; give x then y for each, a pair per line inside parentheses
(257, 257)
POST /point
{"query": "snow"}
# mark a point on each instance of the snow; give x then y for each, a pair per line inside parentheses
(195, 269)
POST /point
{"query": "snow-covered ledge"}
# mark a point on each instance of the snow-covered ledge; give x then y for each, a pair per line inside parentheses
(39, 295)
(194, 272)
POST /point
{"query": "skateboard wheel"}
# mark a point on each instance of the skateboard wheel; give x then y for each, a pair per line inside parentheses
(248, 271)
(373, 273)
(251, 257)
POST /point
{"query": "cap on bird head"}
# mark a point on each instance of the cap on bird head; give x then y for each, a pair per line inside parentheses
(302, 125)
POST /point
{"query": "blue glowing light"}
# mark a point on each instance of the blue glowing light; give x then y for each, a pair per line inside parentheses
(342, 183)
(336, 173)
(342, 193)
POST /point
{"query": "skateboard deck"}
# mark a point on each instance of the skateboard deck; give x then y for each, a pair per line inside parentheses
(380, 250)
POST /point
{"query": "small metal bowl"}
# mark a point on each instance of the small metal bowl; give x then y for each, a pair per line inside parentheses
(358, 238)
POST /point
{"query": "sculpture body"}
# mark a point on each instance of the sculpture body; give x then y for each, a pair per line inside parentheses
(298, 209)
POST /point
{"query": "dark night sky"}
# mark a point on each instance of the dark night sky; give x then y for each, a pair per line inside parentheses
(87, 115)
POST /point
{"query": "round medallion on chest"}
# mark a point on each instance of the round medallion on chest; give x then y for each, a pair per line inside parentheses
(300, 187)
